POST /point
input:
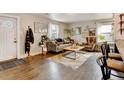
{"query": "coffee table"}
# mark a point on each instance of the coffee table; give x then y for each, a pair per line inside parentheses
(74, 49)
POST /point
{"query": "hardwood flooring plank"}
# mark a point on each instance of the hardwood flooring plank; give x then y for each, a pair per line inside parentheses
(40, 68)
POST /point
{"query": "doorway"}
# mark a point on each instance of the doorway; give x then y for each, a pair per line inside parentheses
(8, 38)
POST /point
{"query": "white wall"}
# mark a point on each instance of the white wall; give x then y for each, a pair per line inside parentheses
(90, 24)
(28, 20)
(83, 25)
(84, 32)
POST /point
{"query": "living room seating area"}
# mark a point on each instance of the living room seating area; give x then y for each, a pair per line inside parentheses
(58, 45)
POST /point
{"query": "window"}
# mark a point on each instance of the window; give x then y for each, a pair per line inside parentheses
(53, 31)
(104, 33)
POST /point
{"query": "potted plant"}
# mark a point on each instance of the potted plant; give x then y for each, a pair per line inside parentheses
(44, 38)
(101, 38)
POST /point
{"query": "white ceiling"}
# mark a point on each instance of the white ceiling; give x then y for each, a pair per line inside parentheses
(77, 17)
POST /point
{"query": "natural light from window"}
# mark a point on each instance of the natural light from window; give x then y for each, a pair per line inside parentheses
(104, 33)
(53, 30)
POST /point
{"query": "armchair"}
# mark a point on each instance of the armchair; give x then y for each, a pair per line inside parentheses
(91, 44)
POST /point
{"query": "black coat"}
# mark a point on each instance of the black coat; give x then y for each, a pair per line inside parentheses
(29, 39)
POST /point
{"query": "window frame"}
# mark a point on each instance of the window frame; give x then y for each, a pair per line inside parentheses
(102, 24)
(51, 32)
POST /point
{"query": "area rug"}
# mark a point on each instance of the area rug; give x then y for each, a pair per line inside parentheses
(74, 64)
(10, 64)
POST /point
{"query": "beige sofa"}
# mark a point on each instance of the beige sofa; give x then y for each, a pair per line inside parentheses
(55, 47)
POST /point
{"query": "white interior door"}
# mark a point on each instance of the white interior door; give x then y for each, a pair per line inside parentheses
(7, 38)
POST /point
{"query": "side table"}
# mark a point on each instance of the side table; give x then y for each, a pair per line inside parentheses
(43, 49)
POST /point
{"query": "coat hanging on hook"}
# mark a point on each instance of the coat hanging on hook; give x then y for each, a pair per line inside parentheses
(29, 39)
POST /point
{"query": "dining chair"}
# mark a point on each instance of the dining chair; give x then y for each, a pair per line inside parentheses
(106, 51)
(112, 63)
(106, 72)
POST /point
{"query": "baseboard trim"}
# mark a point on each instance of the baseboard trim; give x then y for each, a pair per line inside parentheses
(32, 54)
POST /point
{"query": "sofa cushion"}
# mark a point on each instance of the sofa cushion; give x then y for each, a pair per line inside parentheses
(63, 46)
(59, 40)
(54, 42)
(60, 43)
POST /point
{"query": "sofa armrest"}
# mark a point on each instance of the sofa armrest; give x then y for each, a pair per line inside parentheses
(51, 46)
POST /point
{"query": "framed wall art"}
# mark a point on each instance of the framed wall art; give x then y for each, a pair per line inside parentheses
(40, 27)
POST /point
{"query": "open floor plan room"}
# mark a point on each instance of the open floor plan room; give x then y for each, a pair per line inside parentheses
(61, 46)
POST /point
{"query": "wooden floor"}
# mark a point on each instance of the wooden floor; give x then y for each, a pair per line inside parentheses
(39, 68)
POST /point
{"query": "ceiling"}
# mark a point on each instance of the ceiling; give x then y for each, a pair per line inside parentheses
(77, 17)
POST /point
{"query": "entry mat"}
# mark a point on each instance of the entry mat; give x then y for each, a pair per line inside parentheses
(10, 64)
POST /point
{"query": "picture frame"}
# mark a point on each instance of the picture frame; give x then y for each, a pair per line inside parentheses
(76, 31)
(40, 27)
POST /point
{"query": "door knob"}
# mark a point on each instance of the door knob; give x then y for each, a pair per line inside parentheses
(15, 41)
